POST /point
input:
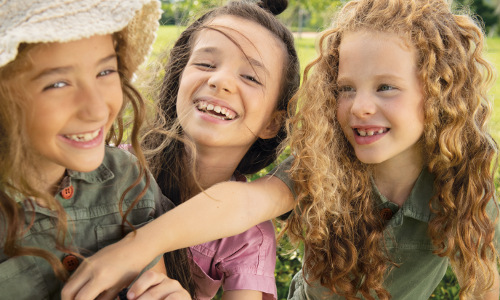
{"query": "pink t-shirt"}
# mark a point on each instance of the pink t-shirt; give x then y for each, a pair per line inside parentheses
(242, 262)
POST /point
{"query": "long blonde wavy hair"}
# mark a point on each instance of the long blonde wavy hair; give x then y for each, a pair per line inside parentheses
(336, 217)
(16, 157)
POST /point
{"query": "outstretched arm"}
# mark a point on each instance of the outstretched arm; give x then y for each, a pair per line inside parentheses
(223, 210)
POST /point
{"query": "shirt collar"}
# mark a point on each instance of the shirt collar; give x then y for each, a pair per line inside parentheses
(417, 204)
(99, 175)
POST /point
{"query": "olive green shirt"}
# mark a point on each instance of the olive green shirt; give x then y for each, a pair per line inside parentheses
(94, 221)
(407, 240)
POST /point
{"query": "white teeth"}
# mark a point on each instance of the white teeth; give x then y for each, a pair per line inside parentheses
(204, 106)
(85, 137)
(362, 132)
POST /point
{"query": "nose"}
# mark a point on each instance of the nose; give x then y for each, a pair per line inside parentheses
(363, 105)
(93, 106)
(222, 80)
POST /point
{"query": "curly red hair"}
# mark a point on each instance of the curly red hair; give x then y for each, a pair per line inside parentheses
(343, 236)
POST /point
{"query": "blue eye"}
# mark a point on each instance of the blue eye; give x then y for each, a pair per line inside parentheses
(55, 85)
(385, 87)
(106, 72)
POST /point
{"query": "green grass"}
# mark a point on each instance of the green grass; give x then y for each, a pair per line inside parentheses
(493, 55)
(448, 288)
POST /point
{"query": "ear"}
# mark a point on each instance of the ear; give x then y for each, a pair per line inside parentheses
(273, 126)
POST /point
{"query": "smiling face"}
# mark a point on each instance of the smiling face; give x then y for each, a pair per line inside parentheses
(74, 95)
(228, 90)
(380, 102)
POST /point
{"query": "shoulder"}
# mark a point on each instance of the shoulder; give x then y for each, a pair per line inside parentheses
(126, 169)
(118, 158)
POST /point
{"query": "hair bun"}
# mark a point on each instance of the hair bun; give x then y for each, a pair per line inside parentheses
(274, 6)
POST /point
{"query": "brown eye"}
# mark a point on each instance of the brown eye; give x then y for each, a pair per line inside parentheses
(251, 78)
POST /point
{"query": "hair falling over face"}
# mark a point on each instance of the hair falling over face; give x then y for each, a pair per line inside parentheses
(164, 142)
(16, 158)
(342, 231)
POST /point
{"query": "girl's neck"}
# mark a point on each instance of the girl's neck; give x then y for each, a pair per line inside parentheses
(395, 181)
(47, 182)
(213, 166)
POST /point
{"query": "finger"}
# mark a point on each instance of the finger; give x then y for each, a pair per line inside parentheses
(178, 295)
(144, 282)
(74, 284)
(166, 289)
(98, 289)
(108, 295)
(88, 284)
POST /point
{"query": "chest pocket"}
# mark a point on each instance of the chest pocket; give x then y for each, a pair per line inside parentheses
(21, 278)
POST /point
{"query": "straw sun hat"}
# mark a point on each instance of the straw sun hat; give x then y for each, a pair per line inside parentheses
(35, 21)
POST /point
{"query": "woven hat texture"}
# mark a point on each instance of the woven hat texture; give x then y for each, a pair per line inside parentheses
(35, 21)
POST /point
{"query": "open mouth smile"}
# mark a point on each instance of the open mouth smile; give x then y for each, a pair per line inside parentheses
(370, 132)
(216, 111)
(83, 137)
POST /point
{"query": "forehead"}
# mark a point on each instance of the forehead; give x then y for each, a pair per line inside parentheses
(74, 50)
(250, 37)
(382, 36)
(382, 45)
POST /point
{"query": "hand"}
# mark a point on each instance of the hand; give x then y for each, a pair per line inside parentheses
(155, 285)
(107, 272)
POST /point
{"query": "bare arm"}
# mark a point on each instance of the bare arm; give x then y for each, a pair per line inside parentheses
(223, 210)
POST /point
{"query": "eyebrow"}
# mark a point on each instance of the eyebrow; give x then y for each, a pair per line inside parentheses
(253, 62)
(344, 79)
(66, 69)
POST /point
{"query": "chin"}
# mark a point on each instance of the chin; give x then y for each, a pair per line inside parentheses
(87, 165)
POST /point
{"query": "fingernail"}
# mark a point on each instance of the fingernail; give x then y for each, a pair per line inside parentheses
(130, 295)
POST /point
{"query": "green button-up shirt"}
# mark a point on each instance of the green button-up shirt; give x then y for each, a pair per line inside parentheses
(94, 221)
(407, 240)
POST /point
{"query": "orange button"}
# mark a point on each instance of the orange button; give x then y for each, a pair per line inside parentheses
(70, 262)
(68, 192)
(386, 213)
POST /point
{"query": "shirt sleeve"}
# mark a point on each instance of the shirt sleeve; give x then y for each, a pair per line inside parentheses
(282, 172)
(493, 213)
(249, 261)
